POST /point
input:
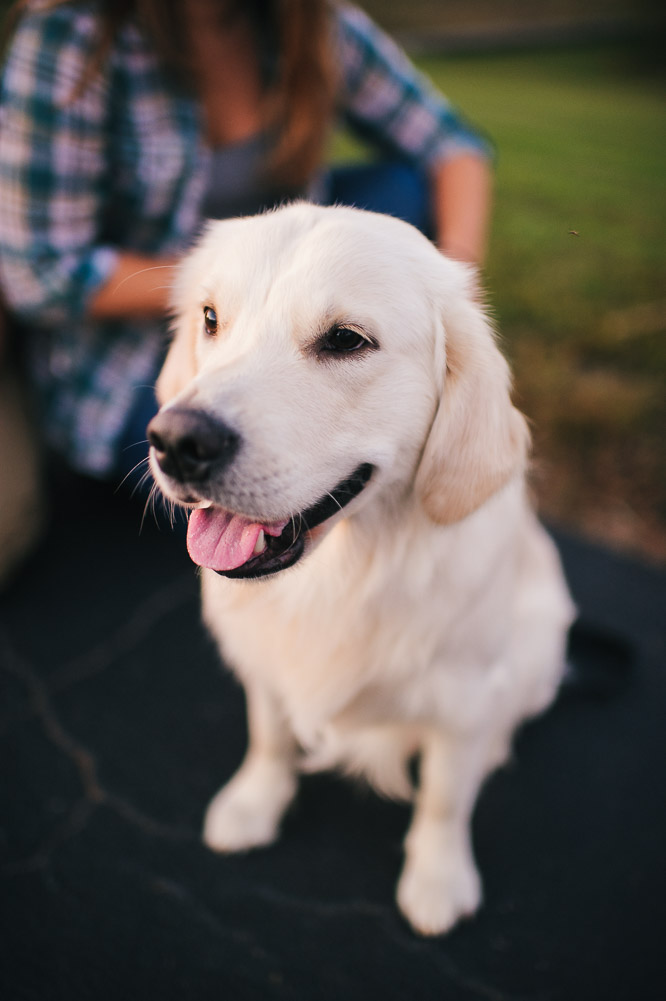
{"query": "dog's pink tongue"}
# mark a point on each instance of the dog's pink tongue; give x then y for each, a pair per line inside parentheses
(220, 540)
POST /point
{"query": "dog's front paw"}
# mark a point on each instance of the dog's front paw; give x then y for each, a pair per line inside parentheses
(434, 897)
(246, 813)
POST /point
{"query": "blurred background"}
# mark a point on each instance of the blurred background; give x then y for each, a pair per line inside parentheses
(572, 94)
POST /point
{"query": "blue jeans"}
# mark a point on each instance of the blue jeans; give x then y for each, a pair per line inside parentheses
(393, 188)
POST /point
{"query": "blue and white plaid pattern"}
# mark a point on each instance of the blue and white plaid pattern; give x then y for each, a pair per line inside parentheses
(124, 164)
(387, 101)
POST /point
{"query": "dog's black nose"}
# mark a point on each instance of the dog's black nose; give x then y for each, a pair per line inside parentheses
(189, 445)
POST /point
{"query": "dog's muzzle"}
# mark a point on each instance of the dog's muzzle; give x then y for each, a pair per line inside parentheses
(284, 549)
(190, 446)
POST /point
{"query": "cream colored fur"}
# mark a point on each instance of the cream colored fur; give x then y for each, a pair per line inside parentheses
(429, 616)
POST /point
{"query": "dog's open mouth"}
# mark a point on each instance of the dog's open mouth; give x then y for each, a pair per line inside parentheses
(238, 547)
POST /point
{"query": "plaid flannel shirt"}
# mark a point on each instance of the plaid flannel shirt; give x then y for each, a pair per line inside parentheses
(124, 165)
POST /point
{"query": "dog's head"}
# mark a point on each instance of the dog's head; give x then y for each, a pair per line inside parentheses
(322, 357)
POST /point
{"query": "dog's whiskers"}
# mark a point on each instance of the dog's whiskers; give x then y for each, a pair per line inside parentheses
(142, 482)
(335, 500)
(172, 513)
(145, 478)
(150, 503)
(133, 470)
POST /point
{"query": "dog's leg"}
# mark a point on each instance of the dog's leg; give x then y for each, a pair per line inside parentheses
(439, 882)
(247, 811)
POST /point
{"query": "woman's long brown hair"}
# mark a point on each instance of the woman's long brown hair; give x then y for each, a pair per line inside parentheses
(299, 88)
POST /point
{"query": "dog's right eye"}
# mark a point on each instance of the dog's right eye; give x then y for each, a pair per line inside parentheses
(344, 340)
(210, 321)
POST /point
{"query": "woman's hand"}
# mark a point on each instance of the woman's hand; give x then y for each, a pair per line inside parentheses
(140, 285)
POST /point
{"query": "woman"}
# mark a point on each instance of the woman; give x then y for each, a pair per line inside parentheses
(127, 122)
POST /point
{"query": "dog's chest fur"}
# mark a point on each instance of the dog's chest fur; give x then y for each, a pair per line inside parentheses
(332, 641)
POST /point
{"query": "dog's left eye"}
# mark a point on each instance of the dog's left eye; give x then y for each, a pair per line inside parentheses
(210, 321)
(343, 340)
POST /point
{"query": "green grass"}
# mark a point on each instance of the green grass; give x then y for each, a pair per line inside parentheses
(581, 146)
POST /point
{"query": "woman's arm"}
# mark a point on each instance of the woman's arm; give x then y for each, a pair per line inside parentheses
(388, 102)
(138, 286)
(52, 171)
(462, 189)
(55, 265)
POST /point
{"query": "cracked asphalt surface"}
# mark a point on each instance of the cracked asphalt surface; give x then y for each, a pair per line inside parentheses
(117, 725)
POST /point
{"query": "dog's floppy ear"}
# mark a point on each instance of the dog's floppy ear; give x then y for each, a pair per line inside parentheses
(478, 441)
(179, 367)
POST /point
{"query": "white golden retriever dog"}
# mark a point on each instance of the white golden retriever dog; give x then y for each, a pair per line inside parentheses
(336, 415)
